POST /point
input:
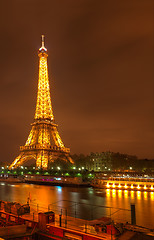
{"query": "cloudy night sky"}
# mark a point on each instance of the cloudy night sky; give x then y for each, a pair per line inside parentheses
(101, 71)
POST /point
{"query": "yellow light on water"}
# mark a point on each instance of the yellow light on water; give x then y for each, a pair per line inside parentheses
(138, 195)
(120, 193)
(114, 193)
(132, 194)
(108, 192)
(152, 196)
(145, 195)
(126, 193)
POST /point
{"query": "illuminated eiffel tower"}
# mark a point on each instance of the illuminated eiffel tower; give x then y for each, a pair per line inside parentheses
(44, 144)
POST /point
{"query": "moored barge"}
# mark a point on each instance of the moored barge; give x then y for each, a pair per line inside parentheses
(124, 183)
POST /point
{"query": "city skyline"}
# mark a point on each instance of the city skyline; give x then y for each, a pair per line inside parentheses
(100, 71)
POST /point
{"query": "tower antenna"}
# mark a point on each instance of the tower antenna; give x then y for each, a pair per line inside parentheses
(43, 41)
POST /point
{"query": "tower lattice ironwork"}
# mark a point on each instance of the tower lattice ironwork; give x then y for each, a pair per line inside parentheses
(44, 143)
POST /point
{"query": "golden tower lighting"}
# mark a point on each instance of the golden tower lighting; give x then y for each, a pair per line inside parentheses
(44, 144)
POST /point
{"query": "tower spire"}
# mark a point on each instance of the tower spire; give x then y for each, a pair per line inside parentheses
(42, 48)
(42, 41)
(43, 106)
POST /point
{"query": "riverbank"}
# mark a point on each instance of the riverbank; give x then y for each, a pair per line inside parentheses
(135, 184)
(11, 180)
(65, 181)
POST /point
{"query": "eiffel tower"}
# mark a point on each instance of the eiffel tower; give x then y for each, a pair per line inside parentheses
(44, 144)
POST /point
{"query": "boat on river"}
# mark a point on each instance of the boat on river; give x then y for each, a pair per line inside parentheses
(124, 183)
(56, 181)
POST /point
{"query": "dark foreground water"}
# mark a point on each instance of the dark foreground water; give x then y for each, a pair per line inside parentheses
(87, 203)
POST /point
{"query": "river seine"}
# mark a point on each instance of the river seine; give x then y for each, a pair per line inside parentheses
(87, 203)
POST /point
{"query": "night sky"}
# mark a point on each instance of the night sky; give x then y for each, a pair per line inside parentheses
(101, 71)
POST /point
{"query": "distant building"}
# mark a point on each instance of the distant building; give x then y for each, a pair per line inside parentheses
(99, 162)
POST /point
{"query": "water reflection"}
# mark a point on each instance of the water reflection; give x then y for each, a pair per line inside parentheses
(108, 192)
(43, 196)
(132, 194)
(114, 193)
(91, 190)
(152, 196)
(126, 193)
(143, 202)
(2, 184)
(139, 195)
(59, 189)
(119, 193)
(145, 195)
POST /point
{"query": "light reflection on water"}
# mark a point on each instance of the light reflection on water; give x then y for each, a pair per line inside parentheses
(144, 203)
(152, 196)
(45, 195)
(59, 188)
